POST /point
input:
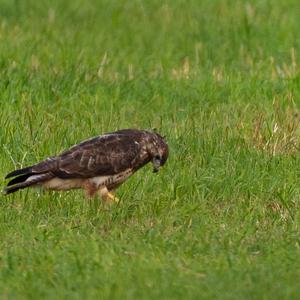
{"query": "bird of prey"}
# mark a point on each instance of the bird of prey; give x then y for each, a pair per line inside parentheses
(97, 165)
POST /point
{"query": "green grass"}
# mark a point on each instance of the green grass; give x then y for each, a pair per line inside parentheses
(221, 80)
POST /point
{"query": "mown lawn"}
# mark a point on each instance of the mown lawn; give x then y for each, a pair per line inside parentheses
(221, 80)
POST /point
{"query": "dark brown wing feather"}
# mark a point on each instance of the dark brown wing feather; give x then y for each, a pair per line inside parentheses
(103, 155)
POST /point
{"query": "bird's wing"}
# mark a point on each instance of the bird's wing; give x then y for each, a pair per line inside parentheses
(100, 156)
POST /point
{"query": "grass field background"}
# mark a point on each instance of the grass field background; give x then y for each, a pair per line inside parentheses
(221, 80)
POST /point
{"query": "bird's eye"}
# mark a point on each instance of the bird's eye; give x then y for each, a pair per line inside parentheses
(157, 157)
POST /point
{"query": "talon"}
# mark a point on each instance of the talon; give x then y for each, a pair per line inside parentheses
(112, 197)
(107, 196)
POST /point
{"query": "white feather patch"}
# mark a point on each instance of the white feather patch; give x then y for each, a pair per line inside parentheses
(62, 184)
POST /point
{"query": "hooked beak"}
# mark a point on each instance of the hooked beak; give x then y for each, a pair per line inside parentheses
(156, 164)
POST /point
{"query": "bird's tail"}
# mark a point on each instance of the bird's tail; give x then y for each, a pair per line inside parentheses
(25, 179)
(19, 172)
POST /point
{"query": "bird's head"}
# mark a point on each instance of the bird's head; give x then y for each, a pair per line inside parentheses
(159, 151)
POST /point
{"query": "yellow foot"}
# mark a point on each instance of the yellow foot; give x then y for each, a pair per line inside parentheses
(107, 196)
(112, 197)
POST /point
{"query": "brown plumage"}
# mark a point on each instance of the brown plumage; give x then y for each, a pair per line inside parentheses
(98, 165)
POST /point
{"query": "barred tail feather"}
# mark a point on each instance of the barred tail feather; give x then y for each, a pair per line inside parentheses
(29, 181)
(19, 179)
(19, 172)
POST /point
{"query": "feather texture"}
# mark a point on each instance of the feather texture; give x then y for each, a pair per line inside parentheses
(109, 155)
(29, 182)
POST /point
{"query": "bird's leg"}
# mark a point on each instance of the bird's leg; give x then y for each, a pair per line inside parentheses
(90, 189)
(107, 196)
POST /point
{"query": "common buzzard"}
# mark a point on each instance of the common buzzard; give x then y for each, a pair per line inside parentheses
(97, 165)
